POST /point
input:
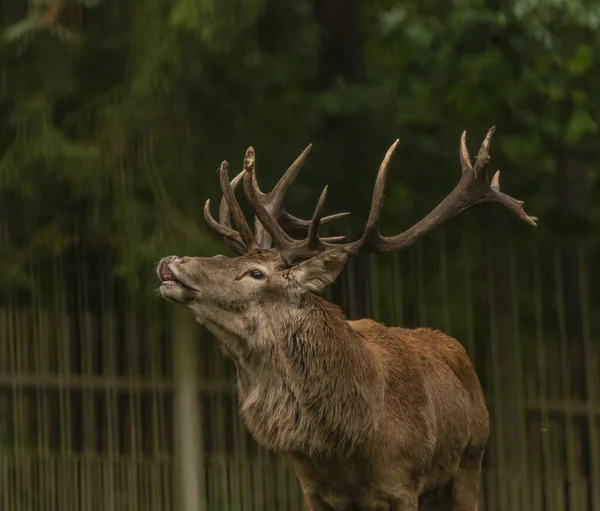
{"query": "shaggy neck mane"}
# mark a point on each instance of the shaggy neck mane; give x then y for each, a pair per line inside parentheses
(297, 396)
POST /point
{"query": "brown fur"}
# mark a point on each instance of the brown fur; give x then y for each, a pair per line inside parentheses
(370, 417)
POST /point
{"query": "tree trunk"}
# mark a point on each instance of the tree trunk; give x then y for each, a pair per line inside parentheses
(341, 58)
(340, 41)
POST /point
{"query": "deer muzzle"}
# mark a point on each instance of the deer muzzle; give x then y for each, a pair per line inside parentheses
(174, 285)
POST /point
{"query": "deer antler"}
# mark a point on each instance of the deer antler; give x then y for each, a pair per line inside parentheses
(242, 240)
(272, 202)
(271, 217)
(473, 188)
(289, 248)
(225, 217)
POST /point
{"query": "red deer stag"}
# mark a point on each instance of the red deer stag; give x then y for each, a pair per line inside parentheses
(370, 417)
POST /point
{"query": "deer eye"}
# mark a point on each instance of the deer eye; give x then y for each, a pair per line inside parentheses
(256, 274)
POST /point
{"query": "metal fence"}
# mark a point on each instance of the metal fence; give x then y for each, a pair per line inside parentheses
(93, 406)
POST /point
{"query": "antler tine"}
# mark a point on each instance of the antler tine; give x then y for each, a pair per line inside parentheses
(473, 188)
(277, 194)
(378, 191)
(273, 200)
(224, 216)
(232, 238)
(483, 155)
(332, 239)
(244, 230)
(312, 238)
(289, 222)
(312, 244)
(223, 226)
(268, 221)
(289, 248)
(371, 236)
(516, 206)
(243, 240)
(494, 194)
(465, 159)
(273, 203)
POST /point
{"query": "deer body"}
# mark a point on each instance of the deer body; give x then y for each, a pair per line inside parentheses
(363, 413)
(370, 417)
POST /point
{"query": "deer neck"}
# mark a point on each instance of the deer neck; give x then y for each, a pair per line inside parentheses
(316, 389)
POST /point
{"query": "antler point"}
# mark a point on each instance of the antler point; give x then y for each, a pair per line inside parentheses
(224, 171)
(249, 160)
(465, 158)
(488, 137)
(495, 185)
(389, 153)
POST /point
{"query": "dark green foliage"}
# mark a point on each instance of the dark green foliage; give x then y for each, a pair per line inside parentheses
(117, 116)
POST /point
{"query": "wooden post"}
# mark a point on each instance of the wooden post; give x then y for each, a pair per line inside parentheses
(189, 461)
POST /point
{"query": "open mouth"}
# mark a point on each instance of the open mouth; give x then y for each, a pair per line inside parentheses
(168, 278)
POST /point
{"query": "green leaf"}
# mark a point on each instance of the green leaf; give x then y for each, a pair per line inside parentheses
(581, 61)
(21, 28)
(580, 124)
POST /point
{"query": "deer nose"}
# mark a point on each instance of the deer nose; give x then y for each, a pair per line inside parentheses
(165, 261)
(169, 259)
(175, 259)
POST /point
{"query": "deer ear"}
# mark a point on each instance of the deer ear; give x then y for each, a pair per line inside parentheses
(320, 271)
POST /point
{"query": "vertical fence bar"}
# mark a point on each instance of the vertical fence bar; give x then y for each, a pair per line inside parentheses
(446, 321)
(190, 475)
(569, 428)
(591, 384)
(523, 483)
(542, 371)
(394, 283)
(466, 267)
(497, 479)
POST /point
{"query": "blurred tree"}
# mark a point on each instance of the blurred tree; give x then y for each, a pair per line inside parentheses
(113, 134)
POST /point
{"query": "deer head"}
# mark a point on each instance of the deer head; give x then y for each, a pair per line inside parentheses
(247, 297)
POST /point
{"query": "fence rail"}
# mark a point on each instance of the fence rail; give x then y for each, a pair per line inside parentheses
(97, 483)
